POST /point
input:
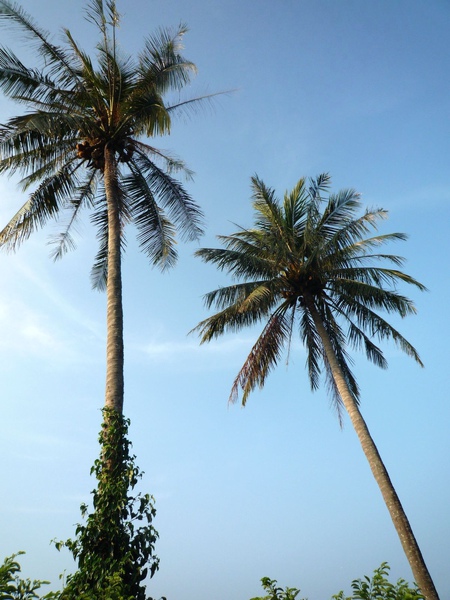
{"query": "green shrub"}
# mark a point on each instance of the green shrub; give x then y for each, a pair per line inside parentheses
(380, 588)
(12, 587)
(276, 593)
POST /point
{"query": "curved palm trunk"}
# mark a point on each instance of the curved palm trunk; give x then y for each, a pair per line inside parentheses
(114, 312)
(398, 516)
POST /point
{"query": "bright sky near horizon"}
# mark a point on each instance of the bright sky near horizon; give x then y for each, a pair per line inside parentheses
(355, 88)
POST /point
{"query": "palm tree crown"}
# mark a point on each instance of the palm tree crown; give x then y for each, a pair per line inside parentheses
(77, 109)
(80, 145)
(307, 263)
(303, 258)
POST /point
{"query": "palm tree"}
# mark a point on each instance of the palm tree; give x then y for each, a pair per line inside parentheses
(311, 267)
(82, 144)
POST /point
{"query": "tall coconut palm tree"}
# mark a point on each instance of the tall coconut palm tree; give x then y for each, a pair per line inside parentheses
(83, 143)
(308, 266)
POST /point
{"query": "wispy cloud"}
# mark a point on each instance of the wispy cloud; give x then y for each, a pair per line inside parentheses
(425, 198)
(174, 349)
(38, 320)
(188, 354)
(41, 281)
(217, 354)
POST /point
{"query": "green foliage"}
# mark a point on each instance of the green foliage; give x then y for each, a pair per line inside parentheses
(115, 547)
(380, 588)
(12, 587)
(276, 593)
(376, 588)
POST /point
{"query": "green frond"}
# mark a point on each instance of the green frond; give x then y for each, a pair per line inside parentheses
(55, 59)
(99, 270)
(268, 212)
(337, 227)
(357, 339)
(295, 207)
(379, 277)
(243, 305)
(236, 262)
(102, 13)
(156, 234)
(273, 232)
(371, 296)
(88, 76)
(234, 294)
(264, 355)
(161, 64)
(317, 186)
(375, 325)
(313, 345)
(171, 164)
(339, 342)
(359, 251)
(63, 242)
(181, 209)
(147, 112)
(43, 204)
(191, 106)
(15, 78)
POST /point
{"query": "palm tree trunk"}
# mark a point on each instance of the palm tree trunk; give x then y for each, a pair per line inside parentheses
(114, 312)
(394, 506)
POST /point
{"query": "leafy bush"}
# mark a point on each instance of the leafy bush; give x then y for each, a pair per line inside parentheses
(380, 588)
(376, 588)
(276, 593)
(12, 587)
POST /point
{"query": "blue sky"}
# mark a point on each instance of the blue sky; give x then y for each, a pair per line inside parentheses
(354, 88)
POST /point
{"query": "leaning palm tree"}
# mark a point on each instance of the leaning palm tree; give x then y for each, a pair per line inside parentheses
(83, 143)
(308, 264)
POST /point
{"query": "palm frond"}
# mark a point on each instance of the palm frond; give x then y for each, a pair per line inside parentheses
(295, 206)
(181, 208)
(375, 325)
(161, 64)
(55, 59)
(313, 345)
(44, 203)
(317, 186)
(237, 294)
(63, 242)
(239, 263)
(171, 163)
(264, 355)
(372, 296)
(339, 343)
(99, 270)
(156, 233)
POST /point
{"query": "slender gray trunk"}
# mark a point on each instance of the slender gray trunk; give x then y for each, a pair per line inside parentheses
(394, 506)
(114, 312)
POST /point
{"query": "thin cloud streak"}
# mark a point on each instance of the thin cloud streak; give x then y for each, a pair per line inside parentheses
(228, 351)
